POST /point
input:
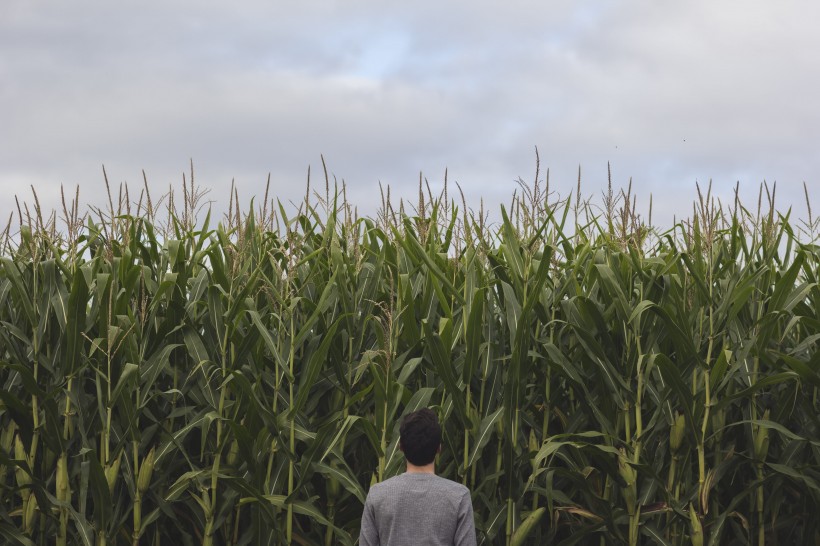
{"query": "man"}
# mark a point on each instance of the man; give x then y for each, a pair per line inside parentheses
(418, 508)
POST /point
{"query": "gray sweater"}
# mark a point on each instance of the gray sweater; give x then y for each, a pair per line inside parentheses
(418, 510)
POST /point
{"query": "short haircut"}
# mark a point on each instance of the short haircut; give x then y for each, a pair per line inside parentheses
(420, 436)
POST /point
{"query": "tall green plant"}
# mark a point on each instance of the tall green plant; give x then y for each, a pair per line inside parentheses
(598, 381)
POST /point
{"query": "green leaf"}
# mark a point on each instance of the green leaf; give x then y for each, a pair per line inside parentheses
(314, 366)
(795, 474)
(75, 323)
(344, 477)
(761, 384)
(485, 431)
(440, 358)
(274, 349)
(671, 375)
(129, 375)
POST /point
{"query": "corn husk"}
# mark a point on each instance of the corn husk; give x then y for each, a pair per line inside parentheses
(146, 472)
(333, 488)
(697, 527)
(676, 432)
(630, 476)
(233, 454)
(761, 439)
(533, 447)
(22, 477)
(62, 487)
(7, 438)
(30, 514)
(527, 526)
(111, 473)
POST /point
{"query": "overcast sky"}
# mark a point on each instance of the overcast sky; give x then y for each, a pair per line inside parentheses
(670, 92)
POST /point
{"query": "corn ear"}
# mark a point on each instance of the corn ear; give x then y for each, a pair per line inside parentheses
(30, 514)
(474, 418)
(333, 487)
(111, 473)
(708, 483)
(676, 432)
(233, 454)
(7, 438)
(146, 471)
(630, 476)
(23, 479)
(719, 424)
(7, 445)
(527, 526)
(697, 527)
(20, 449)
(63, 490)
(533, 446)
(204, 502)
(761, 439)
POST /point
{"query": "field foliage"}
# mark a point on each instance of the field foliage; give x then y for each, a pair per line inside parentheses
(167, 379)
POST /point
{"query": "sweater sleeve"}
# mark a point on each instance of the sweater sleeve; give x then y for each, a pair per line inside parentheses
(369, 534)
(465, 531)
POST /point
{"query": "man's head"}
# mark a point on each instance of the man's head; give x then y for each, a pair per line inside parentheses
(420, 437)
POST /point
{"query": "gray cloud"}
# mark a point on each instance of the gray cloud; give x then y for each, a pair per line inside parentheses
(670, 92)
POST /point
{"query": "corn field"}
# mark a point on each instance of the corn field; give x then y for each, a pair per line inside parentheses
(172, 380)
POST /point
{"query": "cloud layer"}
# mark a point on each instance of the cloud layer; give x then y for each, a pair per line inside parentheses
(669, 92)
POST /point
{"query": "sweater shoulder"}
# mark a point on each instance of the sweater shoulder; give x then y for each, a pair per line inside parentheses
(455, 487)
(405, 481)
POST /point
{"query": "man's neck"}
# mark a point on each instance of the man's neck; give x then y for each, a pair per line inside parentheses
(426, 469)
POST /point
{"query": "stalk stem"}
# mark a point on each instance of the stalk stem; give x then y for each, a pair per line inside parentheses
(292, 439)
(761, 529)
(63, 489)
(467, 438)
(135, 535)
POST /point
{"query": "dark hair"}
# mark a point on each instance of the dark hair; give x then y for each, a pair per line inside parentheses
(420, 436)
